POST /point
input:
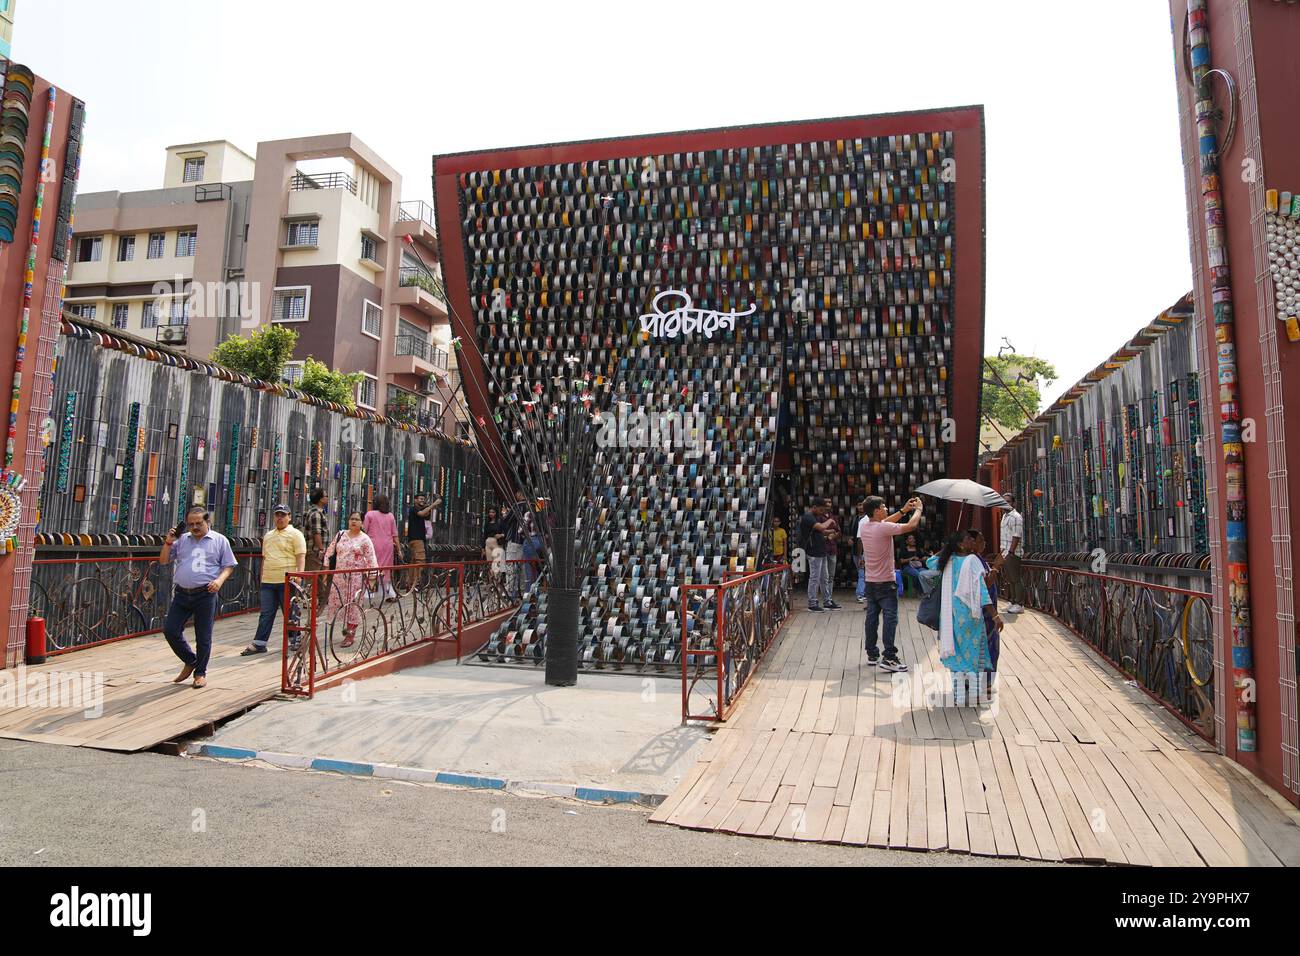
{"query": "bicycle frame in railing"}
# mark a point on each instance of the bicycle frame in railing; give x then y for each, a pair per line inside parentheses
(1161, 636)
(87, 602)
(730, 625)
(336, 620)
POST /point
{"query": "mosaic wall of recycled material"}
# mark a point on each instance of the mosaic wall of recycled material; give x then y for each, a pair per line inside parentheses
(1122, 467)
(15, 122)
(136, 441)
(842, 250)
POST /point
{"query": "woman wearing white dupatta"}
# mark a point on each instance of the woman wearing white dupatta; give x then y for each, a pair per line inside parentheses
(963, 639)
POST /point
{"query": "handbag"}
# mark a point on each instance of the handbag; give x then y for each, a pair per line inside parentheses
(931, 605)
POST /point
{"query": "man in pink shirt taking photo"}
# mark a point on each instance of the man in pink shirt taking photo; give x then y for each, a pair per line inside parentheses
(877, 533)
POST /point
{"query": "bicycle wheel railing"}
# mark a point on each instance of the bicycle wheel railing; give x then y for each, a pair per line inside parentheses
(1160, 636)
(336, 620)
(91, 601)
(726, 630)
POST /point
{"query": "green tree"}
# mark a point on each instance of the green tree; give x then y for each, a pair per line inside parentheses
(261, 355)
(322, 382)
(1011, 388)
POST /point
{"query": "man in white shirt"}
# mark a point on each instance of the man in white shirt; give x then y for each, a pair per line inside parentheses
(1011, 541)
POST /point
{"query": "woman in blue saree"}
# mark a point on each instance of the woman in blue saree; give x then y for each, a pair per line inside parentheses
(963, 640)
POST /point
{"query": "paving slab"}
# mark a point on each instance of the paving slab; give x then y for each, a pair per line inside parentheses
(610, 734)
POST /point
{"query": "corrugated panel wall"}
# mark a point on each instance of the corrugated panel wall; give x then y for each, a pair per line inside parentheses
(135, 440)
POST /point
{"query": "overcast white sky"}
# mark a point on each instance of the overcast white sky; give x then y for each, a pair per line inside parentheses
(1087, 228)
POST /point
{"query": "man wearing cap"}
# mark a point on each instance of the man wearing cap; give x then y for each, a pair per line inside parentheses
(202, 562)
(283, 549)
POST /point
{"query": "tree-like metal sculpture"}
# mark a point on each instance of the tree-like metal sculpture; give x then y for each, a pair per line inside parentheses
(549, 425)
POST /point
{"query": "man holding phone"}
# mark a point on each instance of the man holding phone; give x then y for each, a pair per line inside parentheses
(877, 532)
(202, 561)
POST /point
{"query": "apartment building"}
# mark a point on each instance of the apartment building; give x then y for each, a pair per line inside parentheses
(309, 233)
(6, 26)
(167, 263)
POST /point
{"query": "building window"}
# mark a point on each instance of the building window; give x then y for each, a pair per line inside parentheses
(180, 313)
(367, 390)
(369, 250)
(90, 249)
(303, 233)
(291, 304)
(193, 171)
(292, 372)
(120, 312)
(414, 331)
(435, 410)
(157, 245)
(149, 316)
(372, 319)
(125, 248)
(186, 240)
(84, 311)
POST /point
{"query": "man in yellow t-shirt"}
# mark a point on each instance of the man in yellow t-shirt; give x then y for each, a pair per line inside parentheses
(283, 549)
(779, 538)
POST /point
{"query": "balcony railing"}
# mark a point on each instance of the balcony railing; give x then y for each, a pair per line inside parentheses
(415, 210)
(413, 275)
(420, 348)
(213, 192)
(302, 181)
(400, 411)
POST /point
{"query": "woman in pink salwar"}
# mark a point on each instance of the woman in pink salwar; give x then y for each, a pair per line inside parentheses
(355, 553)
(382, 528)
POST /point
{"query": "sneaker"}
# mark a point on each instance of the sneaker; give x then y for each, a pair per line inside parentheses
(893, 664)
(1015, 609)
(873, 659)
(831, 605)
(814, 608)
(862, 600)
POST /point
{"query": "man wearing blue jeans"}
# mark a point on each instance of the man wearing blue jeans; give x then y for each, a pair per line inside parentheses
(877, 535)
(202, 562)
(813, 527)
(284, 550)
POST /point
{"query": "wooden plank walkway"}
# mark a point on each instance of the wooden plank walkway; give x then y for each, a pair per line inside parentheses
(141, 707)
(1067, 763)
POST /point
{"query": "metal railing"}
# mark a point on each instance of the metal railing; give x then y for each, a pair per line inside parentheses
(726, 630)
(420, 348)
(415, 210)
(301, 181)
(335, 621)
(1160, 636)
(90, 601)
(414, 275)
(213, 192)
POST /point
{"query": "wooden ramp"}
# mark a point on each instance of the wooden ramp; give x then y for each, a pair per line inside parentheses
(1067, 764)
(141, 707)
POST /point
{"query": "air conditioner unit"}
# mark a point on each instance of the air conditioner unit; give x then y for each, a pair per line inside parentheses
(173, 334)
(429, 386)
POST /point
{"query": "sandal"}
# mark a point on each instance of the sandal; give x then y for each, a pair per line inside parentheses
(348, 640)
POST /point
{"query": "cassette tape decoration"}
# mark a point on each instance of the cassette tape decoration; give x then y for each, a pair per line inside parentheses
(727, 290)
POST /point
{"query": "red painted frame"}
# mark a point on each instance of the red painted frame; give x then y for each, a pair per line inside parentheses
(967, 125)
(313, 578)
(717, 652)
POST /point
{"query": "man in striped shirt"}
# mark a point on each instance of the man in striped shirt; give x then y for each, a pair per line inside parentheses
(1011, 541)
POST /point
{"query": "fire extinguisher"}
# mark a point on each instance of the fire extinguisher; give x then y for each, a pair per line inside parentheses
(35, 640)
